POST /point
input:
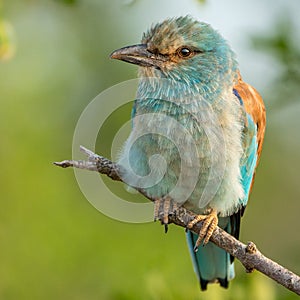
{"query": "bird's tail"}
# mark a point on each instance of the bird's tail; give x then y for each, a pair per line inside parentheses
(211, 263)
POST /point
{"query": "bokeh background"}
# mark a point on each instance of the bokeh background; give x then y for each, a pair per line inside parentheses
(54, 61)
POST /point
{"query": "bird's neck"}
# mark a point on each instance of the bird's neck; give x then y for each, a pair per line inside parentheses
(183, 91)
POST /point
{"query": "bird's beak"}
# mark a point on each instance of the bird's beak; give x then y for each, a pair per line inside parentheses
(138, 55)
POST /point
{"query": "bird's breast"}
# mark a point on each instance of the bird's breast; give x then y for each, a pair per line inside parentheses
(179, 150)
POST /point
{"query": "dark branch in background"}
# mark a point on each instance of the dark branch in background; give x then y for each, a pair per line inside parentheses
(248, 254)
(284, 48)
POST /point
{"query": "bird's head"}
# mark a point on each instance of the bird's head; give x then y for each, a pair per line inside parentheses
(182, 49)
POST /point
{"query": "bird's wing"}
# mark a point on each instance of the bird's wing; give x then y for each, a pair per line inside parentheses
(256, 115)
(255, 107)
(253, 137)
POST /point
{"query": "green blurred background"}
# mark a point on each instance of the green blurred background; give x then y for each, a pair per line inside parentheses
(54, 61)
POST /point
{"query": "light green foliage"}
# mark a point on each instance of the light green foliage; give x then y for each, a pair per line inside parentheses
(7, 41)
(54, 244)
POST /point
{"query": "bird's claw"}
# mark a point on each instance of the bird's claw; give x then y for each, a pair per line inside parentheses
(163, 207)
(209, 224)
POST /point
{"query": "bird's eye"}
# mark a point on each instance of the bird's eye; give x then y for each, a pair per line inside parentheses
(184, 52)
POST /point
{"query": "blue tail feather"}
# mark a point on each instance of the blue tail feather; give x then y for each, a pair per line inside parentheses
(211, 263)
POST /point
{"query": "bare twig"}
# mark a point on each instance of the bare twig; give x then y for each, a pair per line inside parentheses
(248, 254)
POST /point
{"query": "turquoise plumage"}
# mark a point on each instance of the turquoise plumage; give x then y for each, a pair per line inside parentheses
(197, 133)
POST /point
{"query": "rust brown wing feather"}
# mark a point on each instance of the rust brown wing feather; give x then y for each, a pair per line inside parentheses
(255, 107)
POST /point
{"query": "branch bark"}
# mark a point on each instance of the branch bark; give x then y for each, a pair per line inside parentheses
(248, 254)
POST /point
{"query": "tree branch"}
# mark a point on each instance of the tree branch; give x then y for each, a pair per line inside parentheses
(248, 254)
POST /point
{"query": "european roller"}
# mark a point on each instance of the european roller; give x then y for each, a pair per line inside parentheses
(197, 134)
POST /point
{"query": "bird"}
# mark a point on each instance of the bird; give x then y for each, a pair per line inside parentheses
(197, 134)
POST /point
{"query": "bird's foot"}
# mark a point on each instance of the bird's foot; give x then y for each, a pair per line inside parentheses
(163, 208)
(209, 224)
